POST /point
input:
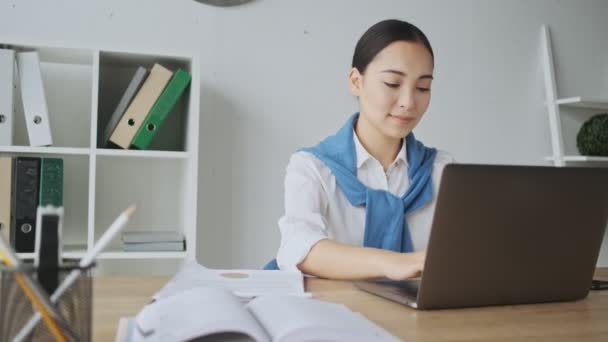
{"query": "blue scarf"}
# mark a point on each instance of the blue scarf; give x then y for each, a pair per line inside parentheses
(385, 224)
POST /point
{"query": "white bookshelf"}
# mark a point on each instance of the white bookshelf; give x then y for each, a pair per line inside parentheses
(584, 102)
(25, 150)
(118, 255)
(563, 128)
(581, 159)
(143, 154)
(82, 87)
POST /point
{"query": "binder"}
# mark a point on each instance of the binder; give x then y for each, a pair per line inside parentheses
(140, 107)
(48, 245)
(125, 100)
(34, 99)
(26, 181)
(7, 83)
(161, 109)
(48, 252)
(51, 182)
(6, 172)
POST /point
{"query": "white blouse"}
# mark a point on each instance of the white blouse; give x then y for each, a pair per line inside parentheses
(316, 208)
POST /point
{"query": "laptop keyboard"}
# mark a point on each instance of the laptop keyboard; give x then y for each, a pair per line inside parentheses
(407, 288)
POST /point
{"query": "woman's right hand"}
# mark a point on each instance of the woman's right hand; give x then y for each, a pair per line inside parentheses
(334, 260)
(402, 266)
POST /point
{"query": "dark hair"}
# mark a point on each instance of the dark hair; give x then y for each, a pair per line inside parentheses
(382, 34)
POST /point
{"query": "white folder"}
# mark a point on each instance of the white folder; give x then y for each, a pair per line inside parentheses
(34, 99)
(7, 83)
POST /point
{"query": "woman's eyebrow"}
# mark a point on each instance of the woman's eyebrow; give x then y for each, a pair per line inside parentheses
(401, 73)
(393, 71)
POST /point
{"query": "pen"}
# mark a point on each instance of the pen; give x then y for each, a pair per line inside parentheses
(115, 228)
(33, 292)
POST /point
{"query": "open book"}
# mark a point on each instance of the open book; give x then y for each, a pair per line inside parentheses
(217, 314)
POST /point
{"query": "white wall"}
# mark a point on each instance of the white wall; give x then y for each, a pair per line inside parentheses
(274, 79)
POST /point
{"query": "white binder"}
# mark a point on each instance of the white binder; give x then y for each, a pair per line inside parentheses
(7, 83)
(125, 100)
(34, 99)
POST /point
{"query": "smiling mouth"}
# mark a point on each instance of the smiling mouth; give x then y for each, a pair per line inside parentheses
(404, 120)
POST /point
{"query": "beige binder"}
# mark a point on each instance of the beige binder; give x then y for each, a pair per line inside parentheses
(141, 105)
(6, 171)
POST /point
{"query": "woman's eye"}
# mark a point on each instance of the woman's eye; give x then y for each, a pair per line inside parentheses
(424, 90)
(392, 85)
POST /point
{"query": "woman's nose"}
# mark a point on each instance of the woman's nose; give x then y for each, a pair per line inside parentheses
(407, 100)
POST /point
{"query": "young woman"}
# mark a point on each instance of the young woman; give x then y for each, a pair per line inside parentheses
(360, 203)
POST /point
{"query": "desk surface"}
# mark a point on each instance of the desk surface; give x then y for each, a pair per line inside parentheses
(585, 320)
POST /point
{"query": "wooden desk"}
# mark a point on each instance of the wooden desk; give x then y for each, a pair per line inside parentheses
(585, 320)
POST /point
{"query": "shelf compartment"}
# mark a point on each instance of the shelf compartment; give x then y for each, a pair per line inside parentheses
(68, 102)
(156, 186)
(115, 72)
(75, 200)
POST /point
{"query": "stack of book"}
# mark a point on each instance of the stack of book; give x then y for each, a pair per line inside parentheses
(27, 183)
(153, 241)
(144, 107)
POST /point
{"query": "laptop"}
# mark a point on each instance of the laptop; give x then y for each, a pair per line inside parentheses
(508, 235)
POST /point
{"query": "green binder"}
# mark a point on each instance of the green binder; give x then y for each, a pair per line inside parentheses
(161, 109)
(51, 182)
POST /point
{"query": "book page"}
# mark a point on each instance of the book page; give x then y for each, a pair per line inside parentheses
(378, 333)
(196, 313)
(288, 318)
(243, 283)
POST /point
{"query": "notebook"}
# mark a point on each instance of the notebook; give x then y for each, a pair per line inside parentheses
(217, 314)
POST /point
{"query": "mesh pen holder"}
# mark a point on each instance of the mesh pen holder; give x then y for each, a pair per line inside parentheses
(75, 305)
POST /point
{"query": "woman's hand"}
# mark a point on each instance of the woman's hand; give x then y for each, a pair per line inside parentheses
(401, 266)
(333, 260)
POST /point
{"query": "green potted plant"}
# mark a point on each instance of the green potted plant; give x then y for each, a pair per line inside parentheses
(592, 138)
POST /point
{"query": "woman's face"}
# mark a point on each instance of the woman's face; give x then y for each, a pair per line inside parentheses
(395, 90)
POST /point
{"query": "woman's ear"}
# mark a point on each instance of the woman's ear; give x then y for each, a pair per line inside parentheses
(354, 81)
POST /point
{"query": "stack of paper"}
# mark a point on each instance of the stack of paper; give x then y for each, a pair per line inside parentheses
(153, 241)
(245, 284)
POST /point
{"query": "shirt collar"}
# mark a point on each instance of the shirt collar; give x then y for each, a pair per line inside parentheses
(363, 155)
